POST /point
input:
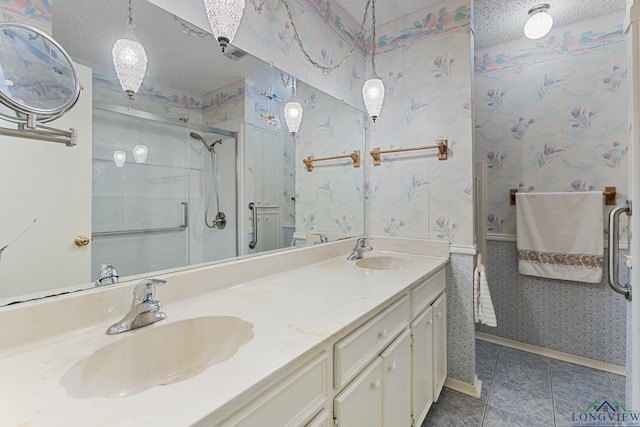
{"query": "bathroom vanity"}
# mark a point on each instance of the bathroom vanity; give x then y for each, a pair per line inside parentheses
(295, 338)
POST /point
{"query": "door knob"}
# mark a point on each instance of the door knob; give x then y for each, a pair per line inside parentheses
(81, 241)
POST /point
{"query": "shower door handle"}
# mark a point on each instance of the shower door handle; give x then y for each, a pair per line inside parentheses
(185, 215)
(254, 241)
(614, 228)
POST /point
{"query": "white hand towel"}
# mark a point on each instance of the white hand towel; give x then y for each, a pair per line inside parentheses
(559, 235)
(484, 312)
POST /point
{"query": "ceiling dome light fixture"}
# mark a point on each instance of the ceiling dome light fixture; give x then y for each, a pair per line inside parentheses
(129, 59)
(224, 18)
(539, 22)
(293, 111)
(373, 89)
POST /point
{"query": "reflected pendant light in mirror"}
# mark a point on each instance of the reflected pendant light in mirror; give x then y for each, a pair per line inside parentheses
(224, 18)
(293, 111)
(539, 22)
(119, 157)
(129, 59)
(140, 153)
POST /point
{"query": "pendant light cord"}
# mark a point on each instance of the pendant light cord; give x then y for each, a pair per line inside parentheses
(130, 24)
(373, 51)
(326, 69)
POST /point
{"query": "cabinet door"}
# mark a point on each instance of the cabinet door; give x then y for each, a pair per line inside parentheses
(268, 231)
(267, 153)
(422, 365)
(439, 344)
(360, 403)
(396, 382)
(323, 419)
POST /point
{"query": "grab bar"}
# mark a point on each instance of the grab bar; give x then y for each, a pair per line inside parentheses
(254, 242)
(614, 225)
(181, 227)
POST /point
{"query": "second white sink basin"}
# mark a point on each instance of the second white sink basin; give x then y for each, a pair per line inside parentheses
(384, 263)
(157, 355)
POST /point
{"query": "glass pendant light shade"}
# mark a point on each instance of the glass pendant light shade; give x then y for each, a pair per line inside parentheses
(293, 115)
(373, 94)
(539, 22)
(130, 62)
(224, 17)
(119, 157)
(140, 153)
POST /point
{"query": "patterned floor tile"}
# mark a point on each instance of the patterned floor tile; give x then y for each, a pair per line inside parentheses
(521, 401)
(487, 350)
(485, 369)
(582, 389)
(511, 355)
(524, 377)
(455, 409)
(496, 418)
(619, 383)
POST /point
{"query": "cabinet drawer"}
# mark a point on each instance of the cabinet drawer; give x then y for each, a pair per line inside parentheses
(291, 402)
(355, 351)
(424, 294)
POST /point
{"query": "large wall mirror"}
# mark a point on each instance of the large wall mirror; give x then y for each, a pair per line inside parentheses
(204, 137)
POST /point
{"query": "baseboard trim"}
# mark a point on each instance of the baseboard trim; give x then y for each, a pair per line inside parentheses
(473, 390)
(554, 354)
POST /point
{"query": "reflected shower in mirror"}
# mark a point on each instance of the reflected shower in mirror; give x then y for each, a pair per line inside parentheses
(168, 176)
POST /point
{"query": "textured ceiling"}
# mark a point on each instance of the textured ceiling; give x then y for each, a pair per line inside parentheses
(496, 21)
(499, 21)
(87, 29)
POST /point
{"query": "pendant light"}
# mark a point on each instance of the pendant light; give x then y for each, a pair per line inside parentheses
(129, 59)
(224, 18)
(373, 89)
(539, 22)
(293, 111)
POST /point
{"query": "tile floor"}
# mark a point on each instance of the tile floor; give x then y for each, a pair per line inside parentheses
(524, 389)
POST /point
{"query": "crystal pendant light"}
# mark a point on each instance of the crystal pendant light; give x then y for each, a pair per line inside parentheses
(224, 17)
(539, 22)
(293, 111)
(119, 157)
(129, 59)
(140, 153)
(373, 89)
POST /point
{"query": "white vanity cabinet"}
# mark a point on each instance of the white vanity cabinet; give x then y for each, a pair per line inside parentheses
(396, 382)
(429, 347)
(439, 344)
(386, 371)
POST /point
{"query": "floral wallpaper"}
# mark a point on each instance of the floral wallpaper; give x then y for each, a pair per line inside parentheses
(330, 198)
(224, 104)
(152, 98)
(428, 88)
(30, 12)
(555, 125)
(559, 43)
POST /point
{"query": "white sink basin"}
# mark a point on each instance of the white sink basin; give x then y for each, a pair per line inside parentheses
(156, 355)
(384, 263)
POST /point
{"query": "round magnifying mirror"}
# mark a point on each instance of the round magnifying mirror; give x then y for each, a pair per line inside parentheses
(37, 77)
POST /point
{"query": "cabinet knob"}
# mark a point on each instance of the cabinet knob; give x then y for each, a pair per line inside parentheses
(375, 384)
(384, 333)
(429, 322)
(439, 314)
(393, 367)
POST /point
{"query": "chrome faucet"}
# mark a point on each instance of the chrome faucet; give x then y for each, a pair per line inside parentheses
(359, 249)
(108, 275)
(144, 309)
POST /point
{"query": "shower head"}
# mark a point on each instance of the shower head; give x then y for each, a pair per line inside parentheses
(201, 139)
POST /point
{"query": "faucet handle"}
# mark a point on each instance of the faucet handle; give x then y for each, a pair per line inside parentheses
(144, 289)
(362, 240)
